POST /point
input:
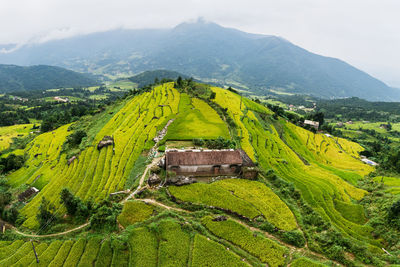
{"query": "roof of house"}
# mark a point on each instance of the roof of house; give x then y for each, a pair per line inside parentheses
(188, 158)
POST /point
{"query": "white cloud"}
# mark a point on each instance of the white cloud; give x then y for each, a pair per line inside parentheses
(361, 32)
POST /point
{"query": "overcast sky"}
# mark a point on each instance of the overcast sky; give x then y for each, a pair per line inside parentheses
(365, 33)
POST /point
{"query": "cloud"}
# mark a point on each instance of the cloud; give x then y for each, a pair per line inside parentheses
(361, 32)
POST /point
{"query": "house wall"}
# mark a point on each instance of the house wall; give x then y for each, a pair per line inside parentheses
(205, 170)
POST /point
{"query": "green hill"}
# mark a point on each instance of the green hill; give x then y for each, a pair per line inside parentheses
(307, 205)
(17, 78)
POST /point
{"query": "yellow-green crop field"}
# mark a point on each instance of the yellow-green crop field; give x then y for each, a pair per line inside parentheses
(95, 173)
(9, 132)
(196, 119)
(266, 250)
(247, 198)
(322, 168)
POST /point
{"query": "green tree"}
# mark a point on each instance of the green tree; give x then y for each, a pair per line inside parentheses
(46, 215)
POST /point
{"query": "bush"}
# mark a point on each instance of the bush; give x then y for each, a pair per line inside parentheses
(104, 217)
(11, 162)
(295, 238)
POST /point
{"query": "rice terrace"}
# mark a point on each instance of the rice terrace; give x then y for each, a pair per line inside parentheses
(197, 145)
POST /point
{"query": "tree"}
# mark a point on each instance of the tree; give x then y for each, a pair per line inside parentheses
(394, 214)
(179, 82)
(70, 201)
(46, 215)
(213, 95)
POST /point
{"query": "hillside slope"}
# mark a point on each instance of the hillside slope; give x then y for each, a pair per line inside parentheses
(211, 53)
(304, 201)
(17, 78)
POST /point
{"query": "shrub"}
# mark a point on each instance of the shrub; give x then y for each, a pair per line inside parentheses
(295, 238)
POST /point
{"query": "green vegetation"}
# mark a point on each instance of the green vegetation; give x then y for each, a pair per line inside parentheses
(134, 211)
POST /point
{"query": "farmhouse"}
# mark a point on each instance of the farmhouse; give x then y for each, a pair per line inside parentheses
(210, 163)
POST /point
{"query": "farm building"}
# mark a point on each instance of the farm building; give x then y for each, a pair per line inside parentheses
(210, 163)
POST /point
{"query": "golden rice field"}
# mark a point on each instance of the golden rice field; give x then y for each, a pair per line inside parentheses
(244, 197)
(95, 173)
(322, 168)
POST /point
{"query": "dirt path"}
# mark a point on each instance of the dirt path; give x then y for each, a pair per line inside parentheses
(141, 181)
(51, 235)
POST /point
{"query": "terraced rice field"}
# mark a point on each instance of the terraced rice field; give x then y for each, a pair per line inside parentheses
(9, 132)
(170, 245)
(266, 250)
(96, 173)
(320, 168)
(247, 198)
(196, 119)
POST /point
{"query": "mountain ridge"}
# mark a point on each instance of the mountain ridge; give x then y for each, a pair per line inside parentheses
(24, 78)
(208, 51)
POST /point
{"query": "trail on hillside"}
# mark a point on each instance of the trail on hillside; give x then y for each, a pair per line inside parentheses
(51, 235)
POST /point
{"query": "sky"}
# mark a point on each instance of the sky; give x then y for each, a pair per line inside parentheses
(364, 33)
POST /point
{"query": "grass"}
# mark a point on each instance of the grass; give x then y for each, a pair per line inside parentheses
(133, 212)
(244, 197)
(266, 250)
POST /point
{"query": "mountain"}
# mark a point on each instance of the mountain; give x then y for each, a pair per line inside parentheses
(16, 78)
(212, 53)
